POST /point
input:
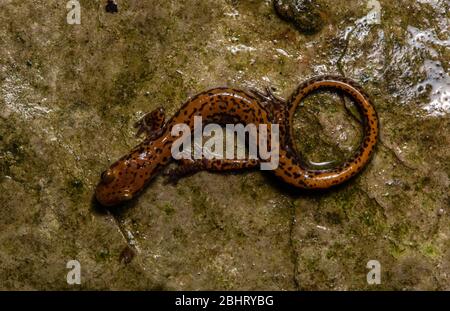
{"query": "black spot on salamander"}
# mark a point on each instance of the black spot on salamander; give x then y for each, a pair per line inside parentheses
(141, 149)
(193, 112)
(177, 114)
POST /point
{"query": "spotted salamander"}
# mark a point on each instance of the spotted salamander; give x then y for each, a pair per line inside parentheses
(130, 174)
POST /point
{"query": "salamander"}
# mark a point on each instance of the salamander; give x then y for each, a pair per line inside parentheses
(126, 178)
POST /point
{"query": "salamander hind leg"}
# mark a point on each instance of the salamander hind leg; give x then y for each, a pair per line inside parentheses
(267, 97)
(185, 168)
(190, 167)
(151, 124)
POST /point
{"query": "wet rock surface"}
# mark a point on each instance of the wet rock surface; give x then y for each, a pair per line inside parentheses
(70, 94)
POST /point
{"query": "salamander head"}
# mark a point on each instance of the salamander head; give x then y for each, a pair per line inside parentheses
(120, 182)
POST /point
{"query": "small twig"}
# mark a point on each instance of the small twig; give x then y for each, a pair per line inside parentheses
(123, 232)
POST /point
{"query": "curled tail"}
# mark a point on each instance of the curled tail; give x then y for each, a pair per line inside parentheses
(293, 171)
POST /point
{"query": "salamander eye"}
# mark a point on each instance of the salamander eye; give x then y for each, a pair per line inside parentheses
(107, 176)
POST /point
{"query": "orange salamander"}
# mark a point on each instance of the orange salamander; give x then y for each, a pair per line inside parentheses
(130, 174)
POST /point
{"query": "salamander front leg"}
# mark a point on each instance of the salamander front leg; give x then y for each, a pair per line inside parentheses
(151, 124)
